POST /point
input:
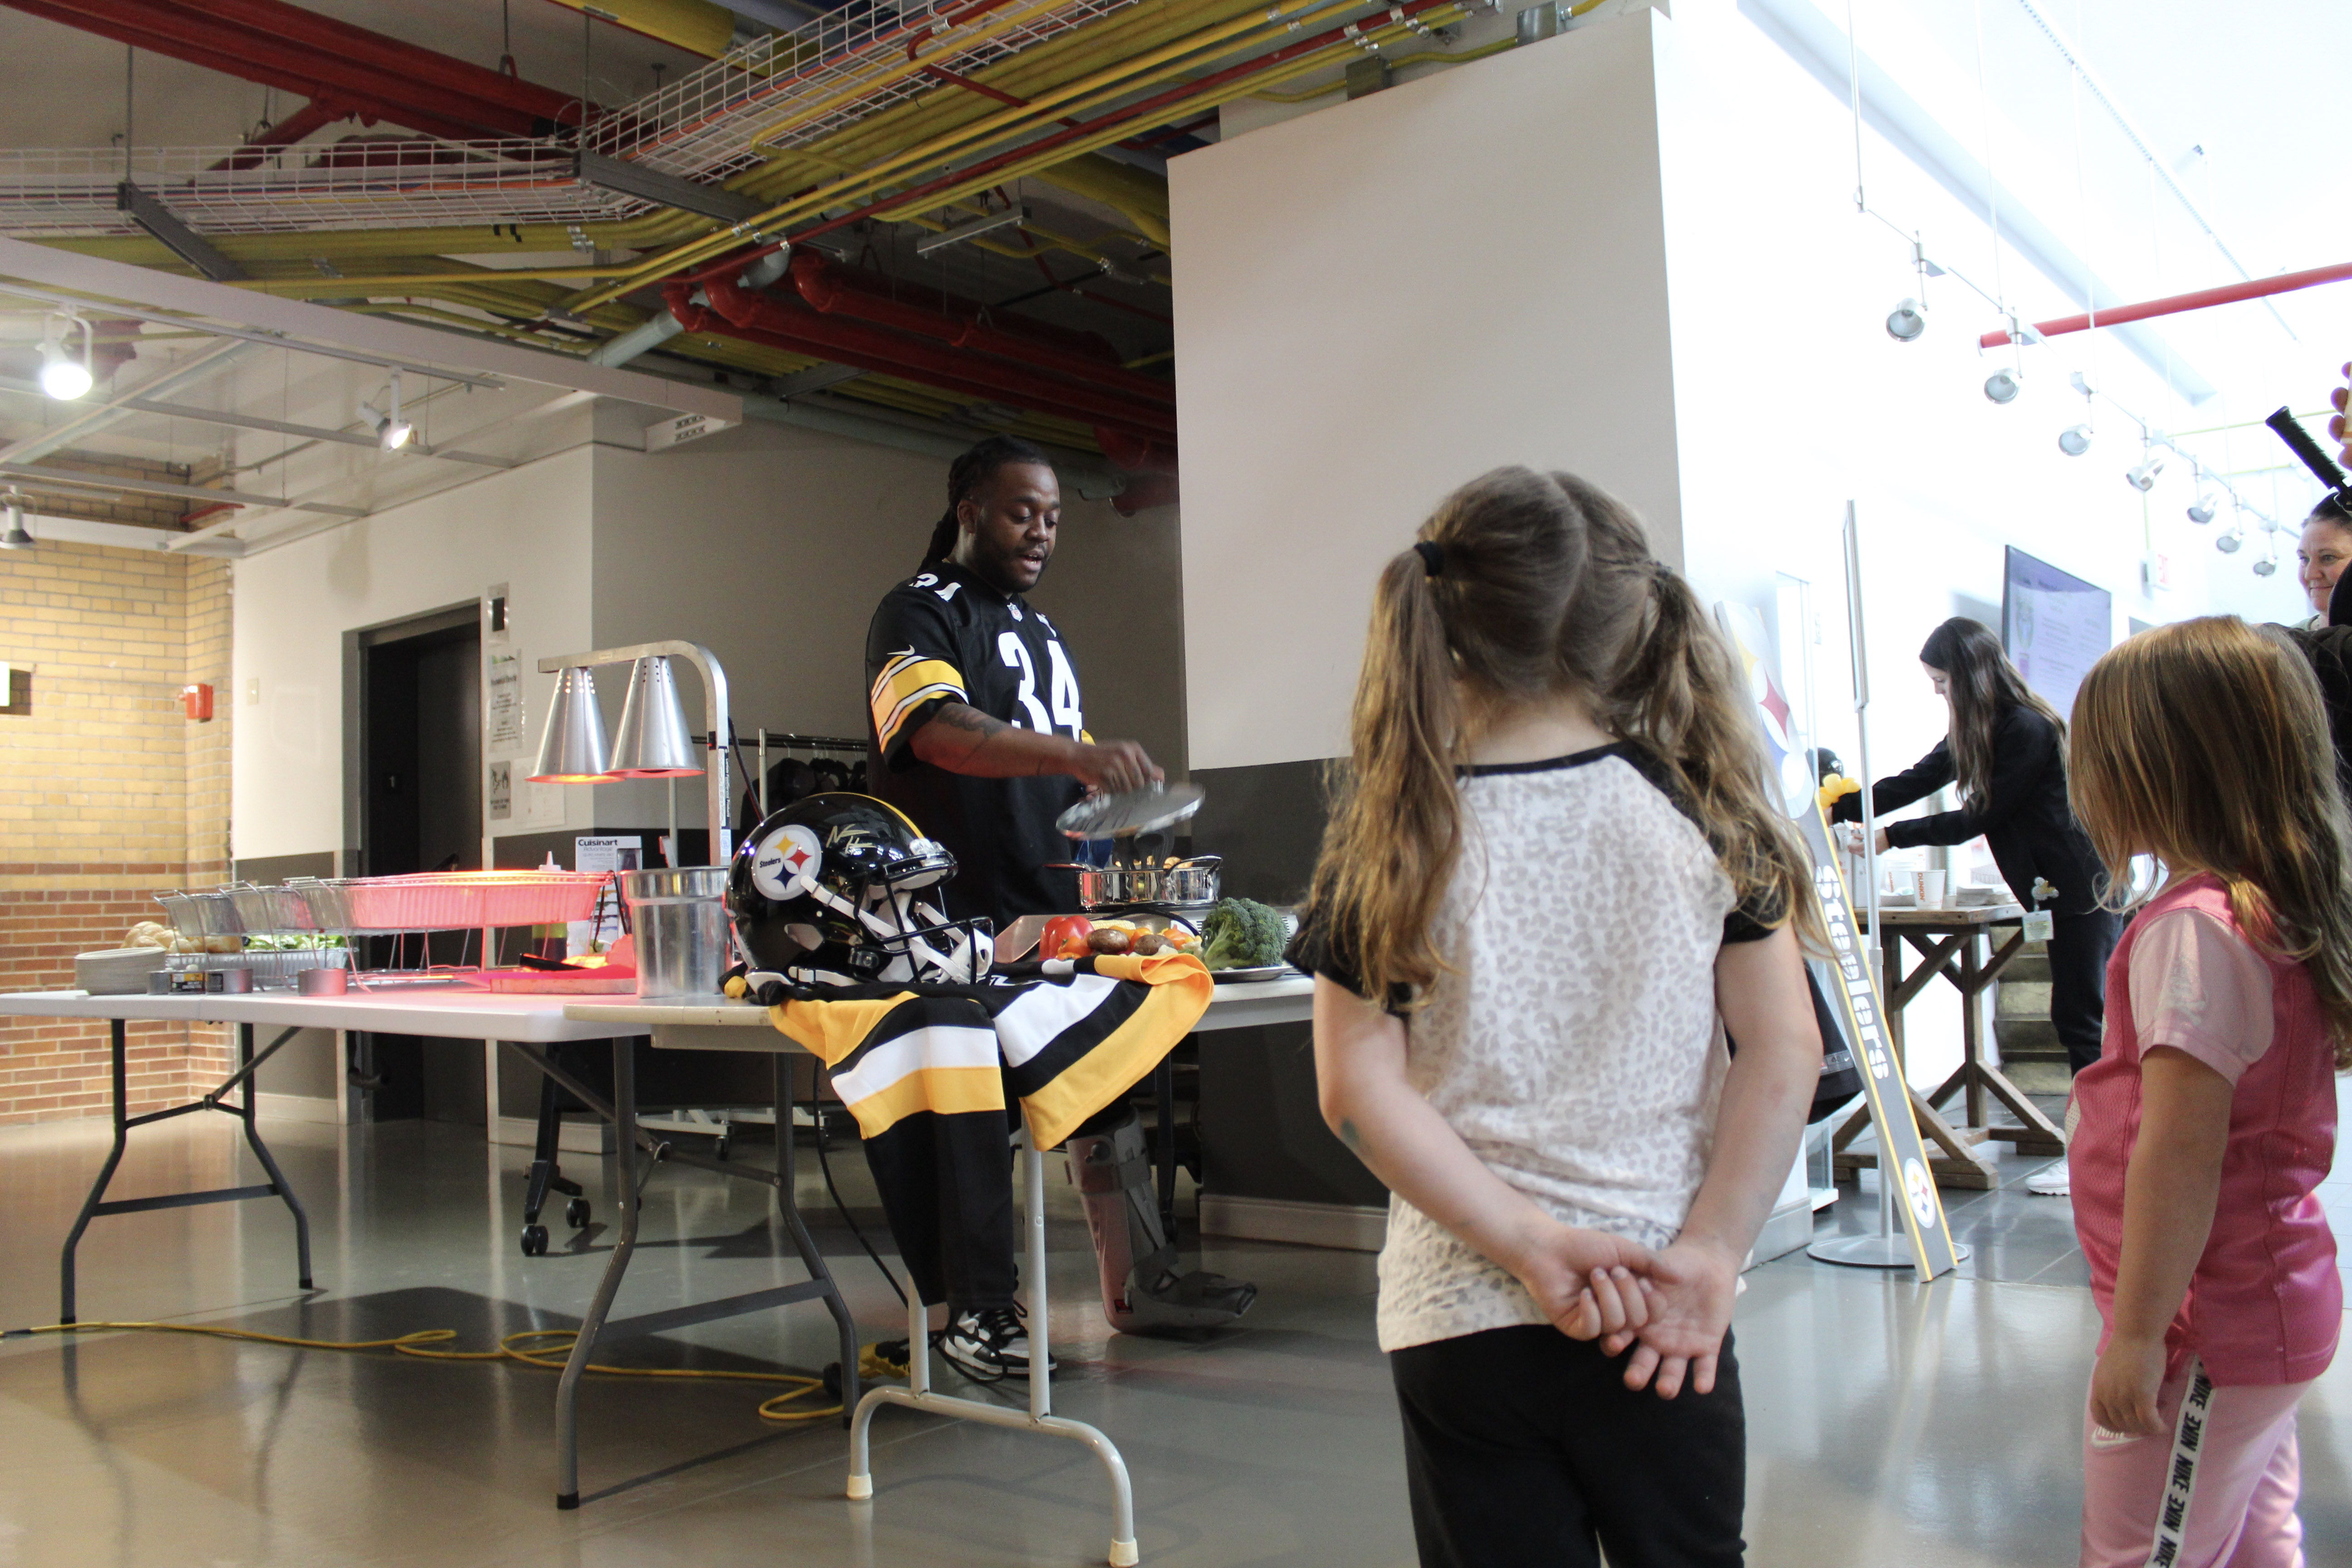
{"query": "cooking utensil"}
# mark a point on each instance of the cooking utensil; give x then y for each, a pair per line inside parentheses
(1191, 884)
(1131, 811)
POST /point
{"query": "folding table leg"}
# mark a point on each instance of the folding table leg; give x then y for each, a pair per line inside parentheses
(261, 1152)
(626, 1195)
(105, 1175)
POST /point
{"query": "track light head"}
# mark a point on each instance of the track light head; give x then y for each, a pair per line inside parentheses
(2201, 509)
(1907, 321)
(64, 377)
(2074, 442)
(2003, 386)
(15, 536)
(2143, 478)
(392, 432)
(2265, 567)
(2227, 543)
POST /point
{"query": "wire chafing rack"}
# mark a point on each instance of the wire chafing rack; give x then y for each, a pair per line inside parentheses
(399, 906)
(267, 932)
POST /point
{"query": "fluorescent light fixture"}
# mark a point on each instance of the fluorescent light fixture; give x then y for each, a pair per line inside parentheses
(988, 222)
(2003, 386)
(2074, 442)
(63, 376)
(1907, 321)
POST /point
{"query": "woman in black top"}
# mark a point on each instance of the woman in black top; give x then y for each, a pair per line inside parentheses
(2007, 751)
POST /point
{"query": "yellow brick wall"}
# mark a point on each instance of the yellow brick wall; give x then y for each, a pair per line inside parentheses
(107, 793)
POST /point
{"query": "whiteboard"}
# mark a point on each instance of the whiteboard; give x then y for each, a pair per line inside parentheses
(2055, 625)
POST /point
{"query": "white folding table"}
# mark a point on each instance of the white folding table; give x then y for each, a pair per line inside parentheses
(743, 1027)
(527, 1024)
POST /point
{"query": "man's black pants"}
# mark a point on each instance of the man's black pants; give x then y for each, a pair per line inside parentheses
(1524, 1448)
(2080, 946)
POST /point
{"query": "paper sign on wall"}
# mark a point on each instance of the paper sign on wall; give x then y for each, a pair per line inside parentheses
(502, 791)
(504, 709)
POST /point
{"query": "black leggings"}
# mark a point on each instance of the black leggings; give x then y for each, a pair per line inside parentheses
(1524, 1448)
(2080, 946)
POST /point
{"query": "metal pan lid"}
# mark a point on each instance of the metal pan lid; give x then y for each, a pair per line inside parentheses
(1136, 811)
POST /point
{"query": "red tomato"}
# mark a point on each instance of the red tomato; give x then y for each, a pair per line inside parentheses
(1062, 932)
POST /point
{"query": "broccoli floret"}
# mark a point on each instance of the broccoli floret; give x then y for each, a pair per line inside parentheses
(1241, 933)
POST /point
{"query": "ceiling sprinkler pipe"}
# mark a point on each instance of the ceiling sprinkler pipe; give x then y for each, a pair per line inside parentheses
(661, 328)
(2173, 305)
(815, 279)
(761, 318)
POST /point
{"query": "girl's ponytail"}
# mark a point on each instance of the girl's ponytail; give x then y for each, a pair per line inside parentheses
(1678, 691)
(1396, 824)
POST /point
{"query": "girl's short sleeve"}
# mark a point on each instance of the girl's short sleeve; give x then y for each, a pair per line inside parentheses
(2200, 987)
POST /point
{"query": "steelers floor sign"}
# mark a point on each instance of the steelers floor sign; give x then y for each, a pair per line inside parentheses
(1882, 1076)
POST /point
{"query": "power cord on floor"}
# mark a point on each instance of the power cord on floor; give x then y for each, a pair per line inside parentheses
(544, 1348)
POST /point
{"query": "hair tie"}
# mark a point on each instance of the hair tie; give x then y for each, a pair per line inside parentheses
(1433, 557)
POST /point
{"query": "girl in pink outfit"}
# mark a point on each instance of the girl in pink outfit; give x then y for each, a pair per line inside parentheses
(2209, 1116)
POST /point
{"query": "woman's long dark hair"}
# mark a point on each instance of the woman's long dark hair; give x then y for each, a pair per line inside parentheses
(1983, 685)
(974, 468)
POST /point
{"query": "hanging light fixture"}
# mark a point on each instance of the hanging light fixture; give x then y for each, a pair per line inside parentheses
(63, 376)
(2227, 543)
(1907, 321)
(572, 747)
(2074, 442)
(2143, 478)
(16, 537)
(2003, 386)
(2266, 566)
(2201, 509)
(392, 432)
(653, 743)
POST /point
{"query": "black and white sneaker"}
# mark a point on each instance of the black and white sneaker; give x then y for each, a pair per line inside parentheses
(989, 1344)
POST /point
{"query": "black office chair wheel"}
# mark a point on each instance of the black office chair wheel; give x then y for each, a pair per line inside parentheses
(534, 1241)
(576, 1213)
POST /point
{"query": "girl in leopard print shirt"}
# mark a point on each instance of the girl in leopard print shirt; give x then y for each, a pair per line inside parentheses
(1554, 880)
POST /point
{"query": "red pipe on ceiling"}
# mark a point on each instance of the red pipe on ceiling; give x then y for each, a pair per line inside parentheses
(738, 312)
(315, 115)
(278, 45)
(2173, 304)
(822, 285)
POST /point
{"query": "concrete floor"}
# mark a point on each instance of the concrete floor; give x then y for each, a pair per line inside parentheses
(1889, 1422)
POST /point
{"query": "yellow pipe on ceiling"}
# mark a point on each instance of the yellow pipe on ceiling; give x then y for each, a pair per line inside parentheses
(695, 26)
(1118, 82)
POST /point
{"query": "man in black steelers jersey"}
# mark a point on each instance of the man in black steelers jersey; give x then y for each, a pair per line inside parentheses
(977, 733)
(977, 730)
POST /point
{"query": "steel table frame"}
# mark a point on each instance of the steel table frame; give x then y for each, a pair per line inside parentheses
(459, 1015)
(729, 1026)
(98, 1204)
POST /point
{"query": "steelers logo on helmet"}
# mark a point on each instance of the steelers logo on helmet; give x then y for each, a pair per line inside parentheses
(785, 863)
(840, 889)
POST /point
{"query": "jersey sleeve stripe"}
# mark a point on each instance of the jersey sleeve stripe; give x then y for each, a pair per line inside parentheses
(905, 684)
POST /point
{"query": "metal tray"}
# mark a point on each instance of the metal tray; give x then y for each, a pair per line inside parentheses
(1254, 973)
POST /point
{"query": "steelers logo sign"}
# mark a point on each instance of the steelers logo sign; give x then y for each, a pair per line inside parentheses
(786, 866)
(1921, 1193)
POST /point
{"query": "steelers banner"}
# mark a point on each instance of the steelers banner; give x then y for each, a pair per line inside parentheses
(1900, 1148)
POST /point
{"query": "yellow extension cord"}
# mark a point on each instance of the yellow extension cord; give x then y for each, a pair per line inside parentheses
(549, 1356)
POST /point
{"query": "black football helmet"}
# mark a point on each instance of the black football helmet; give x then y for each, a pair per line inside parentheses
(839, 890)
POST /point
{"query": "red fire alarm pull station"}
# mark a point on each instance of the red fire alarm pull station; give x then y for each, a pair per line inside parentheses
(196, 702)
